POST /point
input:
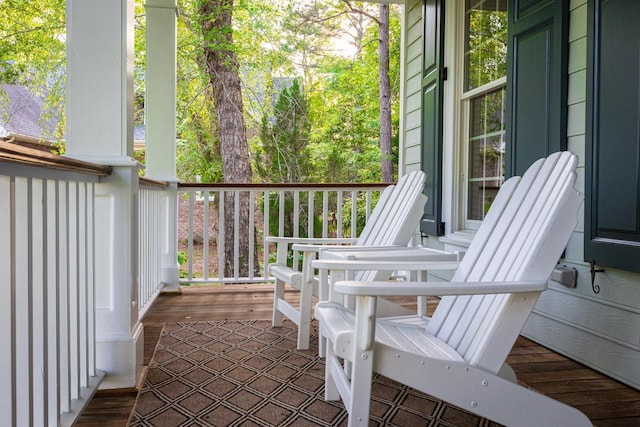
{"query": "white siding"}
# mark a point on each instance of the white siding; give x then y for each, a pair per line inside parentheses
(412, 94)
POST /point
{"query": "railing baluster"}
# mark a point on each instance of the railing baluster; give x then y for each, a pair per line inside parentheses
(339, 203)
(74, 351)
(205, 235)
(265, 228)
(281, 199)
(38, 298)
(22, 268)
(310, 215)
(52, 305)
(7, 311)
(192, 196)
(221, 235)
(83, 284)
(354, 214)
(64, 318)
(347, 201)
(236, 234)
(252, 232)
(91, 291)
(325, 213)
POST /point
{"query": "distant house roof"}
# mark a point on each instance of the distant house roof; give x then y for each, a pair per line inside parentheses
(20, 112)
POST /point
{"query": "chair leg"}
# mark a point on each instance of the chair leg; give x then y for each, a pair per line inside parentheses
(330, 387)
(278, 294)
(304, 328)
(361, 379)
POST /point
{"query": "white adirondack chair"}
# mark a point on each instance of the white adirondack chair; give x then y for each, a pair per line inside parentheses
(458, 355)
(392, 222)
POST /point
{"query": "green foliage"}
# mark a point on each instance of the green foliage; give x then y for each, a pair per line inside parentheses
(283, 155)
(32, 52)
(325, 128)
(345, 119)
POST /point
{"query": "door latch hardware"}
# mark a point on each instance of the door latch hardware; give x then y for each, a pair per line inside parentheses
(594, 270)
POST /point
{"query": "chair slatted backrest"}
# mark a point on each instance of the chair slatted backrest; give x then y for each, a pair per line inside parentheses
(521, 238)
(397, 218)
(387, 223)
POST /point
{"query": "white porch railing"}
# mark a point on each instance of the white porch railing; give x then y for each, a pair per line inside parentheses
(297, 210)
(47, 267)
(152, 236)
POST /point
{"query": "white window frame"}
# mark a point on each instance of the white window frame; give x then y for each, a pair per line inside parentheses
(456, 128)
(465, 102)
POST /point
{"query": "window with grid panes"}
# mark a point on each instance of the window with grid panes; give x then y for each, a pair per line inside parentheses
(483, 98)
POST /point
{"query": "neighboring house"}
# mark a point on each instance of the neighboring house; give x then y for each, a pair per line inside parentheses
(20, 113)
(490, 86)
(20, 118)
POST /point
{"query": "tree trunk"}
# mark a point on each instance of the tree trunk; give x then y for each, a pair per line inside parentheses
(223, 71)
(385, 94)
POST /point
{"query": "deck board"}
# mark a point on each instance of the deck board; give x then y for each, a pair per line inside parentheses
(605, 401)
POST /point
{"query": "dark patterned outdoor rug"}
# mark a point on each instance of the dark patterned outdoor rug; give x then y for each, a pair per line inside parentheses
(246, 373)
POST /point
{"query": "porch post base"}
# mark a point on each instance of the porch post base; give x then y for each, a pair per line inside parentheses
(121, 358)
(170, 277)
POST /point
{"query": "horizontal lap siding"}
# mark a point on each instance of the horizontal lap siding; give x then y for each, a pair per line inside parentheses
(600, 330)
(412, 100)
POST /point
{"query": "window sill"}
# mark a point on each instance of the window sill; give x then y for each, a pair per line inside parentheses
(458, 241)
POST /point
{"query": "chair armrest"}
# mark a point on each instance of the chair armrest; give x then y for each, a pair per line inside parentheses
(282, 244)
(378, 264)
(310, 240)
(317, 247)
(436, 288)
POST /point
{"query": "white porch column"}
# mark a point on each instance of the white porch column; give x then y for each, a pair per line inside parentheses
(100, 130)
(160, 122)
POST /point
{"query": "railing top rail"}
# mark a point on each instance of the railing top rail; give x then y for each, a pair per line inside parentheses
(153, 182)
(282, 186)
(13, 153)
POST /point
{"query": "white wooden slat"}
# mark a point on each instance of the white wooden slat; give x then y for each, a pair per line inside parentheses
(192, 196)
(236, 234)
(74, 300)
(265, 227)
(91, 294)
(63, 294)
(339, 222)
(281, 206)
(296, 214)
(354, 214)
(325, 213)
(310, 211)
(222, 238)
(22, 283)
(7, 286)
(205, 234)
(252, 230)
(52, 306)
(295, 262)
(74, 289)
(38, 298)
(83, 333)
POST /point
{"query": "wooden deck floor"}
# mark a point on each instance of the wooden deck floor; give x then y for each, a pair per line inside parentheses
(605, 401)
